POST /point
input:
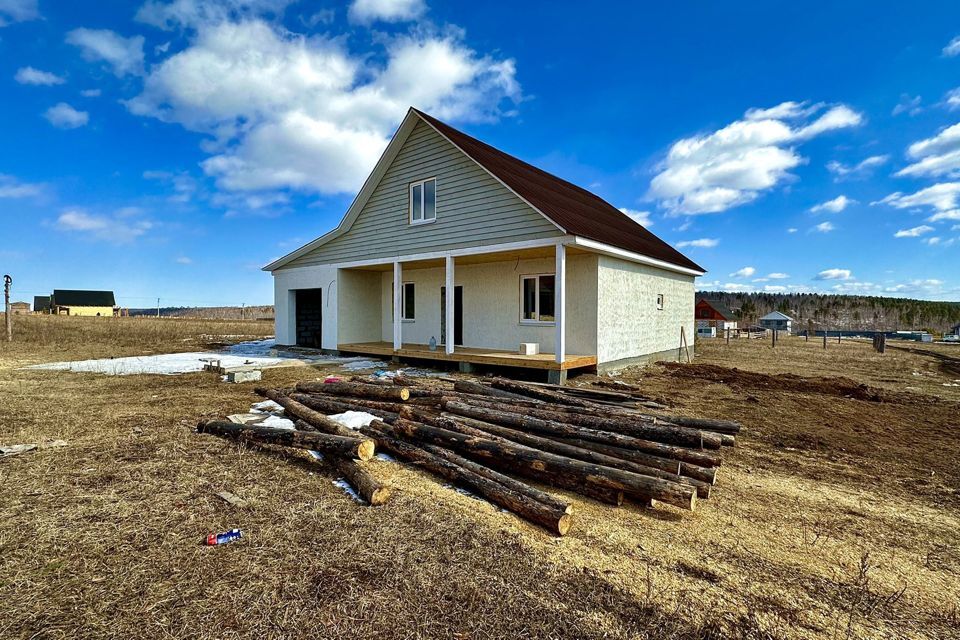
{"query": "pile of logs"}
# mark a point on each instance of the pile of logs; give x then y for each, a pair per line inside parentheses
(485, 435)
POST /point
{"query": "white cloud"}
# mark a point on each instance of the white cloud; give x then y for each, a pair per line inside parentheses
(121, 228)
(733, 166)
(860, 170)
(936, 156)
(836, 205)
(284, 110)
(932, 241)
(746, 272)
(183, 184)
(952, 214)
(951, 99)
(367, 11)
(908, 104)
(90, 93)
(704, 243)
(63, 116)
(824, 227)
(941, 197)
(29, 75)
(183, 260)
(195, 13)
(18, 11)
(834, 274)
(10, 187)
(792, 230)
(913, 232)
(778, 276)
(640, 217)
(124, 55)
(952, 48)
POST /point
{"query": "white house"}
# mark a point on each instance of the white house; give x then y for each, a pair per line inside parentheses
(530, 258)
(778, 321)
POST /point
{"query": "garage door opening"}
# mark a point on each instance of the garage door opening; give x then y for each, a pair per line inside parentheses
(309, 317)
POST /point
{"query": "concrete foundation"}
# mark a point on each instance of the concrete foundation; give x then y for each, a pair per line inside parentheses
(670, 355)
(555, 376)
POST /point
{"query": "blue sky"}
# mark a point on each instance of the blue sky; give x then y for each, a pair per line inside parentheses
(170, 149)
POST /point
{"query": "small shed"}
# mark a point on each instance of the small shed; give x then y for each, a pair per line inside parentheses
(73, 302)
(19, 308)
(41, 304)
(778, 321)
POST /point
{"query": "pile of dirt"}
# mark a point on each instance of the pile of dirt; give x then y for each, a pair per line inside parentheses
(833, 386)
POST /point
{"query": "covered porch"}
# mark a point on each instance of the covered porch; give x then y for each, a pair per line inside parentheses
(500, 300)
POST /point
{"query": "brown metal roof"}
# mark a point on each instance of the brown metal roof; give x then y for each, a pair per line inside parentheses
(576, 210)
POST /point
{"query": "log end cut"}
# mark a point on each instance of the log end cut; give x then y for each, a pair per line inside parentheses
(404, 394)
(366, 449)
(563, 524)
(380, 496)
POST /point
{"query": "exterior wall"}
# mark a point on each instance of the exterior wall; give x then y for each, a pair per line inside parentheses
(359, 312)
(473, 209)
(629, 324)
(105, 312)
(286, 282)
(491, 305)
(779, 325)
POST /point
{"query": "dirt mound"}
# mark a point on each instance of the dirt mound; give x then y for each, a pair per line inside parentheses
(838, 386)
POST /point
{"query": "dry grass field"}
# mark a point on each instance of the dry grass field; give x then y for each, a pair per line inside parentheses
(837, 515)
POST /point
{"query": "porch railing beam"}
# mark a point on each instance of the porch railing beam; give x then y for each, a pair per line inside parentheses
(560, 316)
(397, 305)
(450, 299)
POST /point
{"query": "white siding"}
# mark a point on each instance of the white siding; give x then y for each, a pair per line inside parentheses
(491, 305)
(629, 324)
(473, 209)
(286, 283)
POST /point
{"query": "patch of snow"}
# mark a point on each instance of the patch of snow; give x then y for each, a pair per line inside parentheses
(360, 364)
(386, 457)
(166, 364)
(267, 406)
(347, 489)
(353, 419)
(276, 422)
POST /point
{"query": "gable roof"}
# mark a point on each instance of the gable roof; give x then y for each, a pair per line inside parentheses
(776, 315)
(720, 308)
(78, 298)
(571, 209)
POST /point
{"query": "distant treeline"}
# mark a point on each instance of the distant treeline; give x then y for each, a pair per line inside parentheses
(842, 311)
(261, 312)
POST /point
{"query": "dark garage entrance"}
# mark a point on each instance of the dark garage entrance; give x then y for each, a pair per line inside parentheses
(309, 317)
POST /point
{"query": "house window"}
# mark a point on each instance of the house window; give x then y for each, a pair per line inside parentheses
(659, 302)
(423, 201)
(537, 298)
(408, 302)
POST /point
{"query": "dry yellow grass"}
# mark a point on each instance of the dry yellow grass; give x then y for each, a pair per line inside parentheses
(833, 518)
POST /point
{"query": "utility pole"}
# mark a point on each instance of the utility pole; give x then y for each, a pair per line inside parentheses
(242, 307)
(7, 281)
(158, 307)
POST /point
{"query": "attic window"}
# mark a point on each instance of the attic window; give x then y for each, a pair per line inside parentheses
(423, 201)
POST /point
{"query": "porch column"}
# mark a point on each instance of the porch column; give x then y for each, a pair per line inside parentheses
(397, 305)
(449, 307)
(560, 283)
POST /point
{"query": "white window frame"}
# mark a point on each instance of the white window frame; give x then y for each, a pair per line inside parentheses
(423, 208)
(537, 321)
(660, 298)
(403, 301)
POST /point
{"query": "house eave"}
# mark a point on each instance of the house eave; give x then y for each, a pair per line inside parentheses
(616, 252)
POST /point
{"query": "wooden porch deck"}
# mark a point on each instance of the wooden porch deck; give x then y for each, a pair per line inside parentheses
(472, 355)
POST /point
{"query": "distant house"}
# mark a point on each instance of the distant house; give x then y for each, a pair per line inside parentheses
(19, 308)
(41, 304)
(712, 316)
(71, 302)
(778, 321)
(955, 330)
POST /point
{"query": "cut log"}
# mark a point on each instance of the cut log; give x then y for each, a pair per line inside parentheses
(295, 409)
(579, 453)
(355, 447)
(554, 519)
(368, 487)
(476, 388)
(548, 466)
(392, 407)
(681, 436)
(697, 472)
(532, 391)
(564, 430)
(717, 426)
(356, 390)
(329, 405)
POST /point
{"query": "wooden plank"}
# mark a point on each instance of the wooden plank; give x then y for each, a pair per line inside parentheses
(472, 355)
